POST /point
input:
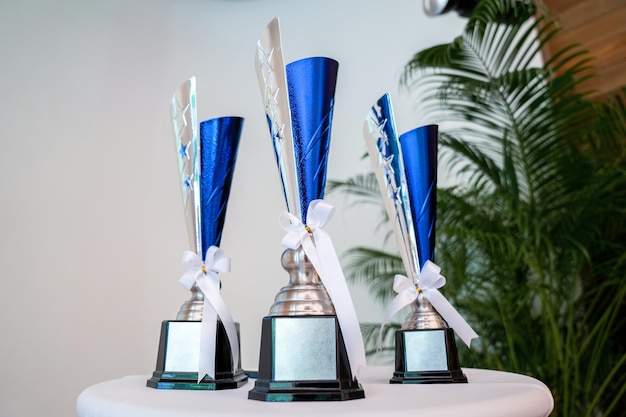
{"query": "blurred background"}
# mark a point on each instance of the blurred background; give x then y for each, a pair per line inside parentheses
(91, 220)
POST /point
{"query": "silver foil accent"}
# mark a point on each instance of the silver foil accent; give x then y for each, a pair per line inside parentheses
(305, 294)
(270, 69)
(384, 149)
(185, 125)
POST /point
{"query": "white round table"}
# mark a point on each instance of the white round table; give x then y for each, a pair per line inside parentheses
(488, 394)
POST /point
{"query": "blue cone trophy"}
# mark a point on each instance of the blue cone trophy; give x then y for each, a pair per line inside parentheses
(406, 170)
(303, 354)
(200, 349)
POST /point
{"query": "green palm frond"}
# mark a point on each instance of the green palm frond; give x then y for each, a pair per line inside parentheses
(375, 267)
(371, 332)
(608, 137)
(363, 186)
(364, 190)
(543, 169)
(532, 239)
(511, 109)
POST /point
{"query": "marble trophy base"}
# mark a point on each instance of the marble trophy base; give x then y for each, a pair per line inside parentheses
(427, 356)
(178, 358)
(303, 358)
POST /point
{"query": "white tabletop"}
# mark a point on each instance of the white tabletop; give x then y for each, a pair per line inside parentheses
(488, 393)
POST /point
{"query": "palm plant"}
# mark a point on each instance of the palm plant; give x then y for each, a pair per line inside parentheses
(532, 238)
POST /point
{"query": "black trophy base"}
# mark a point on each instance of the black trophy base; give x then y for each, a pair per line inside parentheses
(189, 381)
(427, 357)
(178, 356)
(303, 358)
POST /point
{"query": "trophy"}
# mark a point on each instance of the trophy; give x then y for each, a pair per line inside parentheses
(311, 343)
(406, 171)
(200, 349)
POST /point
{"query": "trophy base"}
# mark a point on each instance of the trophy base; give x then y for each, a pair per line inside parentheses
(189, 381)
(427, 356)
(303, 358)
(178, 357)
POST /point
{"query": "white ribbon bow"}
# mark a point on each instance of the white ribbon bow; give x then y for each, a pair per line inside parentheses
(205, 276)
(430, 281)
(319, 249)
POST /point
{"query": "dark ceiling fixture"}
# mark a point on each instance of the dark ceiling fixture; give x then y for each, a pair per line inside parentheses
(465, 8)
(437, 7)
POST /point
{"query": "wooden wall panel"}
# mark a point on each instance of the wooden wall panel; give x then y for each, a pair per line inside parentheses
(600, 26)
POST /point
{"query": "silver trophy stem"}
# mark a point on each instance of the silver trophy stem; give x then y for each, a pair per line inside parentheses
(305, 294)
(191, 310)
(423, 316)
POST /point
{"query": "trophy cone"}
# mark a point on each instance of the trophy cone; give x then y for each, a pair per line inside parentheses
(206, 165)
(426, 350)
(303, 355)
(406, 171)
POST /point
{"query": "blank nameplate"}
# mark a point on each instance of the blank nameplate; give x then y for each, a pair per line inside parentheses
(305, 348)
(425, 350)
(183, 346)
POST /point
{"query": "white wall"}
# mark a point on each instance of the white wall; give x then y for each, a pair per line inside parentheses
(91, 222)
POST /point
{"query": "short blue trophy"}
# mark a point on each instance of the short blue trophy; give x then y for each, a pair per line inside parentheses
(406, 170)
(200, 349)
(311, 343)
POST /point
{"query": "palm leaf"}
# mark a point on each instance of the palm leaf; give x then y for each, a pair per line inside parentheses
(370, 333)
(363, 187)
(374, 267)
(533, 238)
(485, 80)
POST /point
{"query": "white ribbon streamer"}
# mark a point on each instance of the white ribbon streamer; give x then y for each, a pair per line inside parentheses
(430, 281)
(319, 249)
(205, 276)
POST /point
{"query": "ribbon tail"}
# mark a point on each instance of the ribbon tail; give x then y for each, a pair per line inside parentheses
(324, 258)
(450, 315)
(220, 307)
(206, 360)
(400, 301)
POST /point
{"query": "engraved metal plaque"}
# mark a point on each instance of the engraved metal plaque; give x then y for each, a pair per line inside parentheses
(178, 357)
(425, 351)
(305, 349)
(183, 346)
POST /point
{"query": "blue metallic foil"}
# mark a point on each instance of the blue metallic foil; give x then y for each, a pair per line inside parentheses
(419, 152)
(386, 154)
(219, 142)
(311, 85)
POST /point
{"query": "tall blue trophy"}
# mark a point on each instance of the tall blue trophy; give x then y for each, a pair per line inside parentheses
(200, 349)
(311, 343)
(406, 170)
